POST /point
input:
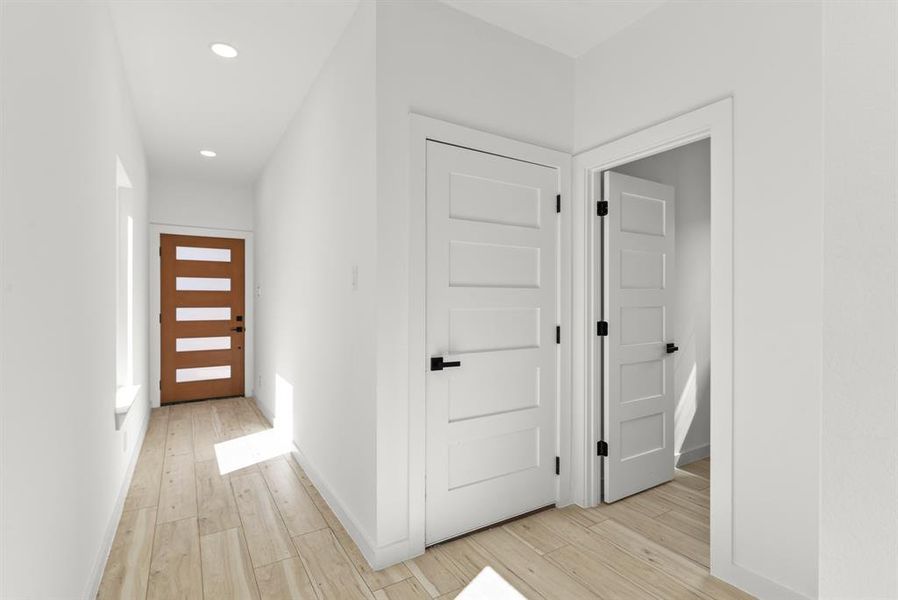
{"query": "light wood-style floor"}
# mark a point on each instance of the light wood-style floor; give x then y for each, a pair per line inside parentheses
(265, 532)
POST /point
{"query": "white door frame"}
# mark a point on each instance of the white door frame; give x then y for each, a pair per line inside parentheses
(156, 230)
(714, 121)
(423, 129)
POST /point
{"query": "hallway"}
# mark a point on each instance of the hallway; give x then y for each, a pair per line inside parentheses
(290, 288)
(264, 531)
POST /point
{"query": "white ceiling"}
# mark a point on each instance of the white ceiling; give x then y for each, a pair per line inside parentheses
(571, 27)
(187, 98)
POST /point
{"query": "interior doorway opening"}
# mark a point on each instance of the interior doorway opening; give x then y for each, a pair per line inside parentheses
(713, 122)
(653, 291)
(676, 279)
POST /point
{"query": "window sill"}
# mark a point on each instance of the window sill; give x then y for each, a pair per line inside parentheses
(125, 395)
(124, 398)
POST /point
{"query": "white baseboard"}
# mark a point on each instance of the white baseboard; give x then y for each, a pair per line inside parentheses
(378, 558)
(96, 576)
(395, 553)
(690, 456)
(263, 409)
(756, 585)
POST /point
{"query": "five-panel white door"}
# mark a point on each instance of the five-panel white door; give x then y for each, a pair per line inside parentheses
(637, 298)
(491, 308)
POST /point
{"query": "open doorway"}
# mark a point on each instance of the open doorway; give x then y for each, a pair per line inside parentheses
(653, 284)
(712, 126)
(664, 272)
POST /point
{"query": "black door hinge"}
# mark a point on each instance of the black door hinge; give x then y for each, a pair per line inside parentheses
(558, 334)
(602, 208)
(160, 317)
(160, 384)
(602, 448)
(558, 465)
(602, 328)
(558, 203)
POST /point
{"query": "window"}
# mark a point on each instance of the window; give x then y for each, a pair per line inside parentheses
(126, 387)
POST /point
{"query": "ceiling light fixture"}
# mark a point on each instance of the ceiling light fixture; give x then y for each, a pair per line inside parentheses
(209, 153)
(224, 50)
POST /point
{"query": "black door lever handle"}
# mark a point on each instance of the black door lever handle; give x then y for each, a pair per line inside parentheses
(438, 364)
(237, 329)
(671, 348)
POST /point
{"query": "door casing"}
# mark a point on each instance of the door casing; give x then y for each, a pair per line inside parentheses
(155, 367)
(579, 405)
(714, 121)
(423, 129)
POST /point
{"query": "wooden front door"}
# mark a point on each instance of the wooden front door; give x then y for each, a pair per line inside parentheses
(202, 319)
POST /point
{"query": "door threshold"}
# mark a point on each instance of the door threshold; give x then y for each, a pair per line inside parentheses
(174, 402)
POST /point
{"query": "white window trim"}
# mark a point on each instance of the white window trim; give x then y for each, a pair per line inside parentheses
(126, 390)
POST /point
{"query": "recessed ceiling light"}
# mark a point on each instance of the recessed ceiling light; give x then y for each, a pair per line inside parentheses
(209, 153)
(224, 50)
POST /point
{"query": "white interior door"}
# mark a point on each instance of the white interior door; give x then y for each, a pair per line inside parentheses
(637, 297)
(491, 317)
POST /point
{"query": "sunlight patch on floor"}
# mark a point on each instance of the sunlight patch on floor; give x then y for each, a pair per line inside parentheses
(249, 450)
(489, 585)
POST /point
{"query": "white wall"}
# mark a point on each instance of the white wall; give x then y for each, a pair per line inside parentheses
(436, 61)
(688, 169)
(341, 357)
(66, 115)
(197, 203)
(315, 221)
(767, 55)
(859, 437)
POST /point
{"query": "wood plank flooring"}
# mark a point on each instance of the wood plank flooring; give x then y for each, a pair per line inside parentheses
(264, 532)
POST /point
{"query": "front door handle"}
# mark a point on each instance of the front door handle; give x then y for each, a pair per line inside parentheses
(671, 348)
(237, 329)
(438, 364)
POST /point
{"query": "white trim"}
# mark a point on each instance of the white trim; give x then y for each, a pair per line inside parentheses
(714, 121)
(155, 303)
(96, 575)
(268, 414)
(423, 128)
(125, 395)
(686, 457)
(374, 555)
(756, 585)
